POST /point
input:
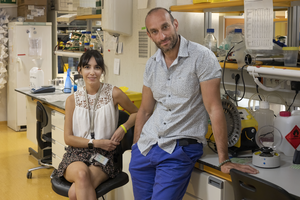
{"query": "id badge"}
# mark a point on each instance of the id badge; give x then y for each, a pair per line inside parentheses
(101, 159)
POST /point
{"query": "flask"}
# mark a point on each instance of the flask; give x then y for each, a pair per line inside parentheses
(81, 41)
(68, 83)
(93, 43)
(289, 127)
(210, 41)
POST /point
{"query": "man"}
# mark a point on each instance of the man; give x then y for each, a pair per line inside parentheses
(181, 90)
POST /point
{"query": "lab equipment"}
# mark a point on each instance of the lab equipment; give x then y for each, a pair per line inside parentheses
(210, 41)
(241, 128)
(268, 138)
(25, 38)
(86, 46)
(289, 127)
(44, 89)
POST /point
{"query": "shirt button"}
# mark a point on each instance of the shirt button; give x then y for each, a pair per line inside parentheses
(169, 95)
(164, 123)
(169, 79)
(169, 109)
(159, 137)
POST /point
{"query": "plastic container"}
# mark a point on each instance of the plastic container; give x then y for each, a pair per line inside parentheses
(264, 116)
(94, 43)
(135, 98)
(68, 83)
(290, 56)
(287, 124)
(87, 38)
(210, 41)
(202, 1)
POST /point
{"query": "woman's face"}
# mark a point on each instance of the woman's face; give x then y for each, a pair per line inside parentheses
(91, 72)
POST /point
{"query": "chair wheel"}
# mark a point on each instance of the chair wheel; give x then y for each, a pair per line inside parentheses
(29, 175)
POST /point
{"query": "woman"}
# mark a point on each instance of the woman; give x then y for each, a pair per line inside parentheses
(89, 157)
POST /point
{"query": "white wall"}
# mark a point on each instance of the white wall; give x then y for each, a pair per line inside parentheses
(131, 67)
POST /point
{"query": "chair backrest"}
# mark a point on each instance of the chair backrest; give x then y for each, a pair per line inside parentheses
(250, 187)
(41, 122)
(126, 142)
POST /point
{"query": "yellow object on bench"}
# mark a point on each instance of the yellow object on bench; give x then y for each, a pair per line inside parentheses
(135, 97)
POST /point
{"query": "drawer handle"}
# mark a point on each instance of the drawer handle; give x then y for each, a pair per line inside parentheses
(53, 141)
(53, 155)
(53, 113)
(53, 127)
(66, 148)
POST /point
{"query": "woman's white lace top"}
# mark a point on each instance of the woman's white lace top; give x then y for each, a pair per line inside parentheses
(106, 114)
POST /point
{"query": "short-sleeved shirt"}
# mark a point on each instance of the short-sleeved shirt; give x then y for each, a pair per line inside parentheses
(179, 112)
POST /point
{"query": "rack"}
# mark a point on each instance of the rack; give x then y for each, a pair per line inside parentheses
(88, 17)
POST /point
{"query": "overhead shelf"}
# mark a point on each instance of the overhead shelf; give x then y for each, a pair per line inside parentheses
(8, 5)
(85, 17)
(229, 6)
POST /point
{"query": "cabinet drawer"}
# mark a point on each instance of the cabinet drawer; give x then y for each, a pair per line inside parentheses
(58, 148)
(55, 160)
(58, 119)
(58, 135)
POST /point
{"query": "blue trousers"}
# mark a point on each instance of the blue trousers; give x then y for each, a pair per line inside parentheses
(160, 175)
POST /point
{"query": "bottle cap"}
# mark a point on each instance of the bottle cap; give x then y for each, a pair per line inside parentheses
(88, 32)
(210, 30)
(237, 30)
(263, 105)
(87, 43)
(285, 114)
(83, 32)
(93, 36)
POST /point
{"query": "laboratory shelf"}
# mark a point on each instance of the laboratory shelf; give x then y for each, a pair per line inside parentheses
(229, 65)
(86, 17)
(73, 54)
(8, 5)
(222, 6)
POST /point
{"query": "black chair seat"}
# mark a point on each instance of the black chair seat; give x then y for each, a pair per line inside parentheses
(61, 186)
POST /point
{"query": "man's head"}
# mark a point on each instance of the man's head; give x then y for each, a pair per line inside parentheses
(162, 28)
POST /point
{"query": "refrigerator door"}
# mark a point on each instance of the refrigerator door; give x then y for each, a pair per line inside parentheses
(28, 42)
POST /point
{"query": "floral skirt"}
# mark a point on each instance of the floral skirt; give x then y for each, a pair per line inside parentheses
(74, 154)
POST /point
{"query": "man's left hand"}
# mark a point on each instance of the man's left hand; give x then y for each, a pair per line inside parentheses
(244, 168)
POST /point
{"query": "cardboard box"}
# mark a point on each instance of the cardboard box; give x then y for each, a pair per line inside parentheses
(33, 13)
(32, 2)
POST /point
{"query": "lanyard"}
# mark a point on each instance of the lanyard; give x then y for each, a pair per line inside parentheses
(93, 113)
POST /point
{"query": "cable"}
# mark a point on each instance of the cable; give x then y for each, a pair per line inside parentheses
(293, 100)
(223, 72)
(236, 78)
(259, 78)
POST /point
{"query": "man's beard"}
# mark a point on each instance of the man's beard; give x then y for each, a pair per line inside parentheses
(173, 39)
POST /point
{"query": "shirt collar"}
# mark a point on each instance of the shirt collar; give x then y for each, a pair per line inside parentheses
(183, 50)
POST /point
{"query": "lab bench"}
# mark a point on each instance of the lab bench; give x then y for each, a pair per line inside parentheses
(207, 181)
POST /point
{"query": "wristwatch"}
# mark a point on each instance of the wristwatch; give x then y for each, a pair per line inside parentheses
(91, 144)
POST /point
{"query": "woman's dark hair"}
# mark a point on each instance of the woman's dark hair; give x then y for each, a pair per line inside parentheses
(85, 58)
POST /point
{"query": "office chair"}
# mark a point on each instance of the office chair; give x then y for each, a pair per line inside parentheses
(44, 140)
(248, 187)
(61, 186)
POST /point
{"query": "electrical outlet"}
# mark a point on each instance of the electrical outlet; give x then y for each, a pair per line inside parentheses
(295, 85)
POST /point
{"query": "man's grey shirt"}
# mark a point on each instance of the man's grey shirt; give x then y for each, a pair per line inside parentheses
(179, 112)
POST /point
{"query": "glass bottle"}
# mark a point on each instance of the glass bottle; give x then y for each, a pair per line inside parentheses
(86, 46)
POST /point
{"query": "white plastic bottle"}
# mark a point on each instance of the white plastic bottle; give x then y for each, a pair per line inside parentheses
(210, 41)
(264, 116)
(289, 126)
